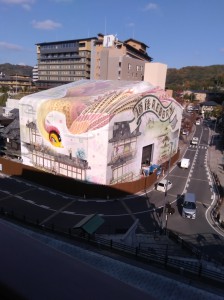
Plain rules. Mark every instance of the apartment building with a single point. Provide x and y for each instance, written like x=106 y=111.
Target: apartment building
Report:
x=16 y=82
x=63 y=62
x=116 y=60
x=103 y=57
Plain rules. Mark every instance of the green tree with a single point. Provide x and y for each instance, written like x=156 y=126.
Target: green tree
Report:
x=4 y=89
x=3 y=99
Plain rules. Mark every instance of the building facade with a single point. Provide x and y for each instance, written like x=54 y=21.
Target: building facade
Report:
x=35 y=73
x=16 y=83
x=63 y=62
x=155 y=73
x=99 y=131
x=116 y=60
x=101 y=58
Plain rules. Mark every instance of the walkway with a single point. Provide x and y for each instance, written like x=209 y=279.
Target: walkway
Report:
x=158 y=284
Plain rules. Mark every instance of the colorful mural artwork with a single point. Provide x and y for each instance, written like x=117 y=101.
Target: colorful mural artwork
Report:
x=99 y=131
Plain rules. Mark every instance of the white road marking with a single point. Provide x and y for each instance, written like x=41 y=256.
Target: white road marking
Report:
x=44 y=206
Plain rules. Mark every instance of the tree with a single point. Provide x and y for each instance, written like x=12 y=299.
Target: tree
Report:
x=3 y=99
x=4 y=89
x=217 y=111
x=218 y=81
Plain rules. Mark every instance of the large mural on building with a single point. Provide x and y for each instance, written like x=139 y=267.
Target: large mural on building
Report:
x=99 y=131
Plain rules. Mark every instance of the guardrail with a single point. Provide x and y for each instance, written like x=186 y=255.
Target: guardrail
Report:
x=194 y=267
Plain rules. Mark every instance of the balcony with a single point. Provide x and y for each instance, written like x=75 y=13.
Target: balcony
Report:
x=59 y=50
x=59 y=57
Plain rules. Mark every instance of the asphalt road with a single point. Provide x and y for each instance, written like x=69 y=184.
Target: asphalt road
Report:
x=49 y=208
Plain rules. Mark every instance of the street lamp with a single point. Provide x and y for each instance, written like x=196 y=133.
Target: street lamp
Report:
x=164 y=213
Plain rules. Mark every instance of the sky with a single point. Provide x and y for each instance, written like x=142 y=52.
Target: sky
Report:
x=178 y=33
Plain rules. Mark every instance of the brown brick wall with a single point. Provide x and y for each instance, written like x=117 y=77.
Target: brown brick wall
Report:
x=79 y=188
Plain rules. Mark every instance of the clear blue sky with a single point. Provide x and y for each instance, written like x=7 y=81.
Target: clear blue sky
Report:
x=179 y=33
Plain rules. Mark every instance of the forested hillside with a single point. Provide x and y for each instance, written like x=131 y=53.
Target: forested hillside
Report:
x=196 y=78
x=9 y=69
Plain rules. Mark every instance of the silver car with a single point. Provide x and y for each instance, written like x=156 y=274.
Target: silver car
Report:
x=189 y=206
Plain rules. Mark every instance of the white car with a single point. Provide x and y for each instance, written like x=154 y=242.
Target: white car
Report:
x=198 y=122
x=163 y=185
x=194 y=141
x=185 y=132
x=185 y=163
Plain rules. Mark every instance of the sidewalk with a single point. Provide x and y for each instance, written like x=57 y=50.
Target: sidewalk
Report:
x=216 y=164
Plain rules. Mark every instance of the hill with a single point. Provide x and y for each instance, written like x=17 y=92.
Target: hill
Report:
x=194 y=77
x=9 y=69
x=197 y=78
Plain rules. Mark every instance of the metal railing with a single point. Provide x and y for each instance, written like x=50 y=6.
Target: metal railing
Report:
x=195 y=266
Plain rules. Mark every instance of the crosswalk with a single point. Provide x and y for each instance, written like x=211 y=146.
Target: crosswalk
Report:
x=198 y=146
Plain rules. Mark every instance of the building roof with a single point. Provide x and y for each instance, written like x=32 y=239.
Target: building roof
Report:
x=94 y=102
x=133 y=40
x=90 y=223
x=66 y=41
x=12 y=131
x=5 y=121
x=209 y=103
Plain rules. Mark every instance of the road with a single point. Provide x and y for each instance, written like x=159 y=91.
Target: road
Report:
x=49 y=208
x=197 y=180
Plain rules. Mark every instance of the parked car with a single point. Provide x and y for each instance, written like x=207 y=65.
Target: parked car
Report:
x=163 y=185
x=194 y=140
x=185 y=132
x=198 y=122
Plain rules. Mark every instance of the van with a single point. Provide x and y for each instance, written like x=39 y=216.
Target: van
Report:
x=163 y=185
x=185 y=163
x=189 y=206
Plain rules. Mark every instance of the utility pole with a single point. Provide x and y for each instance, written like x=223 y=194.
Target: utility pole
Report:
x=16 y=83
x=164 y=213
